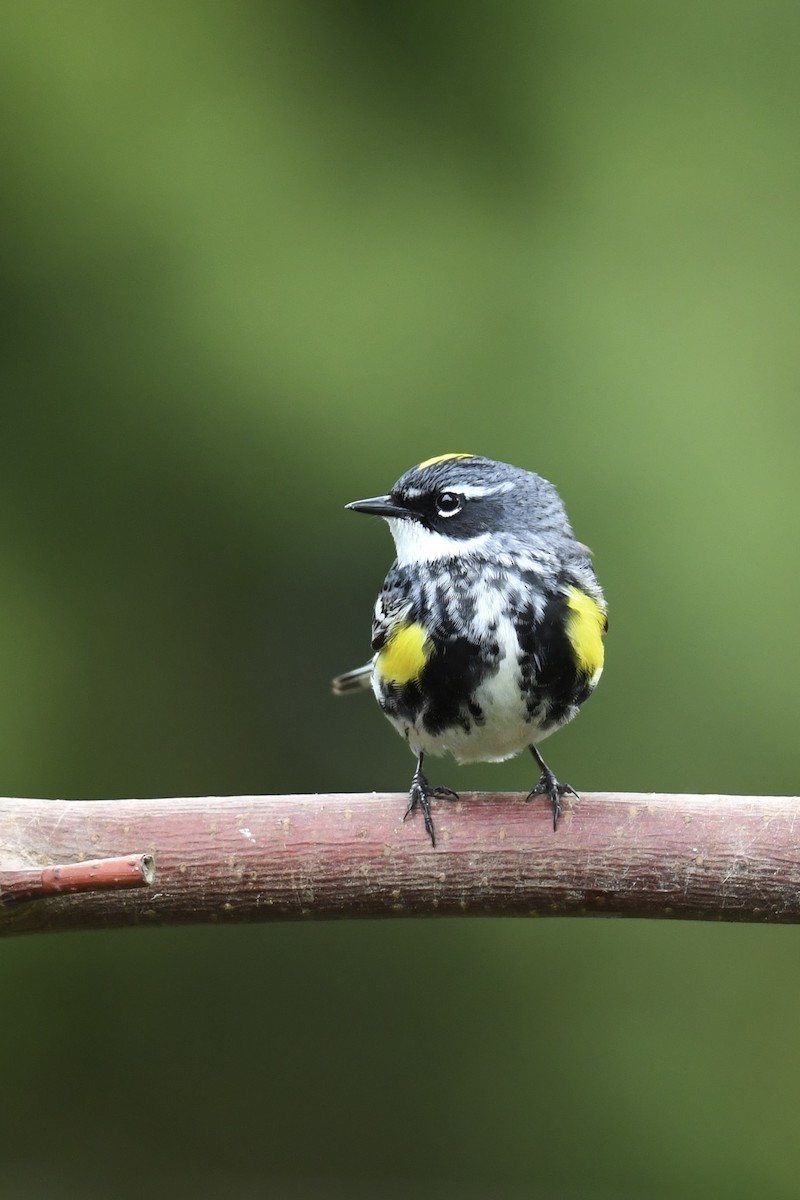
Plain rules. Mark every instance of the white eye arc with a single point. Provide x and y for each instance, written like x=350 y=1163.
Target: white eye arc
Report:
x=448 y=504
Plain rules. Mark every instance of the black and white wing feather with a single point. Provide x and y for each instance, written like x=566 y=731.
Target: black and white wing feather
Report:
x=394 y=605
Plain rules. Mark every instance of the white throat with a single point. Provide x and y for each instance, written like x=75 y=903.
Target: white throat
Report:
x=417 y=544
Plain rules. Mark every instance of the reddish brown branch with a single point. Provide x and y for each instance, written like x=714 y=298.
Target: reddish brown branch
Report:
x=249 y=858
x=94 y=875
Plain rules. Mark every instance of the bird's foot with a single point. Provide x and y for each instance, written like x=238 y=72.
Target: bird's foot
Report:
x=420 y=795
x=548 y=785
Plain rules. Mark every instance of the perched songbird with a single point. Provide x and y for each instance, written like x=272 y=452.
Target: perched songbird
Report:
x=488 y=632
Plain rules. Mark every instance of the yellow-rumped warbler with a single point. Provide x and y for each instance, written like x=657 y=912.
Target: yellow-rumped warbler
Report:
x=488 y=632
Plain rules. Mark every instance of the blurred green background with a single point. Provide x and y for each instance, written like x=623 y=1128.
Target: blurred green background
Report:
x=258 y=259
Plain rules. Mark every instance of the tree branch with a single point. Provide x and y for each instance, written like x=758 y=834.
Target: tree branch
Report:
x=270 y=858
x=93 y=875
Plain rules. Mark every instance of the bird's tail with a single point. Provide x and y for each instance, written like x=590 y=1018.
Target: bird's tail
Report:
x=353 y=681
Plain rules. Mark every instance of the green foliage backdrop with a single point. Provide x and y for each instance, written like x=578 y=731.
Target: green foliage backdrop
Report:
x=257 y=259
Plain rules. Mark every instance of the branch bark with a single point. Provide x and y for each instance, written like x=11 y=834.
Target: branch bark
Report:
x=272 y=858
x=91 y=875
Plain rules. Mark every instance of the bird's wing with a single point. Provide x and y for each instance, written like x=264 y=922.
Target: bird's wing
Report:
x=394 y=606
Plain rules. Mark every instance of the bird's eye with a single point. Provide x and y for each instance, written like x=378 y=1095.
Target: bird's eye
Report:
x=448 y=503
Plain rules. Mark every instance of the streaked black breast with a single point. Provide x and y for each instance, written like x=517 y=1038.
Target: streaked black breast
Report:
x=550 y=679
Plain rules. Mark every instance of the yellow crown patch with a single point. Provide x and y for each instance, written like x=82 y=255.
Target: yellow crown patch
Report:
x=430 y=462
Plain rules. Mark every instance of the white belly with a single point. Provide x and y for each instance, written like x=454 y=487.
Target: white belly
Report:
x=507 y=728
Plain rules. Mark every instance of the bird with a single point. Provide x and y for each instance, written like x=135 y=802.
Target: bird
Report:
x=487 y=634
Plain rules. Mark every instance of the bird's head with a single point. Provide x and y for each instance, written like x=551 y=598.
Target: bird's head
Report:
x=460 y=504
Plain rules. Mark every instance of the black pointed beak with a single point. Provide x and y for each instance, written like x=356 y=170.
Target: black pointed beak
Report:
x=379 y=506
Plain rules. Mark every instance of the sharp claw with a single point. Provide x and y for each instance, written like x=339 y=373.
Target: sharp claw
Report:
x=420 y=793
x=548 y=785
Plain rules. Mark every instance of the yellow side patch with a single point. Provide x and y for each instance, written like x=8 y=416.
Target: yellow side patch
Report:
x=586 y=625
x=431 y=462
x=403 y=657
